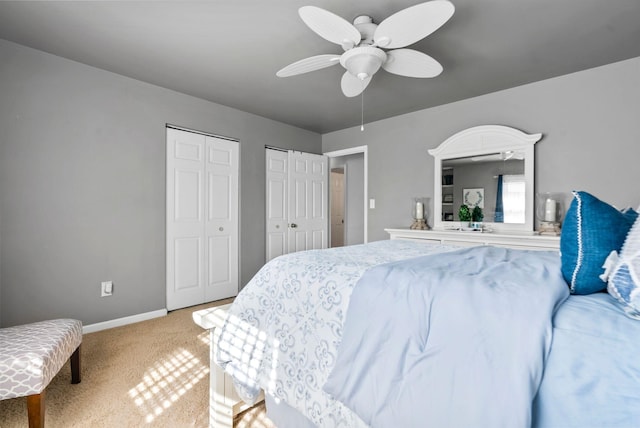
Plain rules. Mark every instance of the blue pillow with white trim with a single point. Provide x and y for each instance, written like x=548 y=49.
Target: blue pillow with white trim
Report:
x=624 y=280
x=592 y=229
x=630 y=213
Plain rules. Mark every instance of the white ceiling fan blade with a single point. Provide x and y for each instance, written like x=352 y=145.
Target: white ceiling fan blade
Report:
x=412 y=24
x=330 y=26
x=503 y=156
x=411 y=63
x=352 y=86
x=486 y=158
x=309 y=64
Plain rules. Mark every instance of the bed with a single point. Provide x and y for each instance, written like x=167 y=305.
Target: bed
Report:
x=284 y=336
x=449 y=330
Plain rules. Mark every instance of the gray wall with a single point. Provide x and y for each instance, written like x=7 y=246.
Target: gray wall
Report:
x=591 y=139
x=82 y=185
x=355 y=198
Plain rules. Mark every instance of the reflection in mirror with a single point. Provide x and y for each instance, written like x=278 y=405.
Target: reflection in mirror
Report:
x=495 y=182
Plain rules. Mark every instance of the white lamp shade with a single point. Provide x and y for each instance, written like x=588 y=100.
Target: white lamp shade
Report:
x=363 y=61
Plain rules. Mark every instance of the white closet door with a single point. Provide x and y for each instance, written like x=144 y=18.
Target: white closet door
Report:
x=221 y=224
x=185 y=222
x=276 y=203
x=202 y=265
x=308 y=197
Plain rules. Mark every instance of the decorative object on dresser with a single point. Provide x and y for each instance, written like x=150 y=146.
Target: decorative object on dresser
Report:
x=476 y=218
x=419 y=214
x=489 y=164
x=464 y=215
x=549 y=211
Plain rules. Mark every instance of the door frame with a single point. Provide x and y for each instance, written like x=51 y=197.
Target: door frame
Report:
x=351 y=151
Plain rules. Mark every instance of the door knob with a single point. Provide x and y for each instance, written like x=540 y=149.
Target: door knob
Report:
x=293 y=225
x=221 y=228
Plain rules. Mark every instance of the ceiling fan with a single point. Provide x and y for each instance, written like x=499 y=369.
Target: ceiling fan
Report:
x=369 y=46
x=502 y=156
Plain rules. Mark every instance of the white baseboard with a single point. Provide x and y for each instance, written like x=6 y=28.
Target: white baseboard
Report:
x=91 y=328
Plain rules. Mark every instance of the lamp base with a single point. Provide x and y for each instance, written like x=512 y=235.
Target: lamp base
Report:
x=420 y=224
x=549 y=228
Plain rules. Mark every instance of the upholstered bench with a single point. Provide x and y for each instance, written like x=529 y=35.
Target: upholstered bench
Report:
x=31 y=355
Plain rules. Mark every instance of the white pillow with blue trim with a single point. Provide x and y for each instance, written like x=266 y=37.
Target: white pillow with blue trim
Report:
x=624 y=280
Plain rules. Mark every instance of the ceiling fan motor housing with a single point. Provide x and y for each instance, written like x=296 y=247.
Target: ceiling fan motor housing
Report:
x=363 y=61
x=366 y=27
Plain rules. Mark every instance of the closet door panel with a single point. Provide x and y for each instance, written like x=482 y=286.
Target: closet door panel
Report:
x=221 y=225
x=219 y=260
x=185 y=219
x=188 y=271
x=277 y=166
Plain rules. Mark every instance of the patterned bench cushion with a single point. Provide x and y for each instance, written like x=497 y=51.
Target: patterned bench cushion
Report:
x=32 y=354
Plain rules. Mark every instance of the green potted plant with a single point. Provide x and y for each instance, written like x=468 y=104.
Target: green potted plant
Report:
x=464 y=214
x=476 y=217
x=476 y=214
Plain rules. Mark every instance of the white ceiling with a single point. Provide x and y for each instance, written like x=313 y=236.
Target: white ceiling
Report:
x=228 y=51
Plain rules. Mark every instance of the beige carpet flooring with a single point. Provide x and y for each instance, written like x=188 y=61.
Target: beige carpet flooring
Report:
x=150 y=374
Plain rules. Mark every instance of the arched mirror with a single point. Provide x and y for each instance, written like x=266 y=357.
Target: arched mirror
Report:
x=489 y=167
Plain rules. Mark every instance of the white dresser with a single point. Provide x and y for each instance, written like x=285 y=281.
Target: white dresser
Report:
x=461 y=238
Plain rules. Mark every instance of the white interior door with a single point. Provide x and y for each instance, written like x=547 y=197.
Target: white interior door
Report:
x=276 y=203
x=202 y=218
x=308 y=196
x=221 y=223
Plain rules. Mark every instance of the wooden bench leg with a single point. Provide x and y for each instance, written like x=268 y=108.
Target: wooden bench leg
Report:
x=75 y=365
x=35 y=409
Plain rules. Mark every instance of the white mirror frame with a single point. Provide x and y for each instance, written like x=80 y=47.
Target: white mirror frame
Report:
x=482 y=140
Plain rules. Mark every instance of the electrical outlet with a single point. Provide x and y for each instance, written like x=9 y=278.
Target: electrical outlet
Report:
x=107 y=289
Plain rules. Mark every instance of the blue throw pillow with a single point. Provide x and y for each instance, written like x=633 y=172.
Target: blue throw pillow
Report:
x=630 y=213
x=624 y=281
x=591 y=230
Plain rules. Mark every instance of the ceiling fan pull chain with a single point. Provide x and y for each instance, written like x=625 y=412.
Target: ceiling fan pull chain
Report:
x=362 y=108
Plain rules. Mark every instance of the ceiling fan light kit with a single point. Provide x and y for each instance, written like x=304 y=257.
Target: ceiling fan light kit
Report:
x=368 y=46
x=363 y=61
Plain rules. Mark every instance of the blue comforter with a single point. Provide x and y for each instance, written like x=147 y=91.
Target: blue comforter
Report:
x=453 y=340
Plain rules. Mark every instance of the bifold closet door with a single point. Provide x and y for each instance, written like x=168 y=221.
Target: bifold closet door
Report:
x=202 y=218
x=277 y=203
x=296 y=202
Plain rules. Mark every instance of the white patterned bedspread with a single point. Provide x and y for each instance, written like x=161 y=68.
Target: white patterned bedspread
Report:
x=284 y=327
